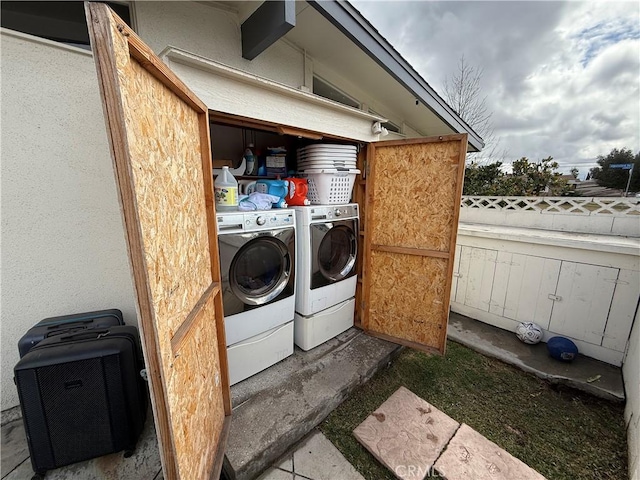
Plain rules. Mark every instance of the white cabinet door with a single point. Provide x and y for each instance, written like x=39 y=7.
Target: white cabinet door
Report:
x=456 y=273
x=507 y=284
x=476 y=271
x=623 y=308
x=522 y=287
x=583 y=301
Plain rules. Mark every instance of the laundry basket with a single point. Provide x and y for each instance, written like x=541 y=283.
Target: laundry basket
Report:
x=330 y=186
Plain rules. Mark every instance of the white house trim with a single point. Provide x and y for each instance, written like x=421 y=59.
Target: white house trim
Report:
x=221 y=87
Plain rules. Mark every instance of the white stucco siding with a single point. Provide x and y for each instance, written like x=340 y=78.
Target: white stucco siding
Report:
x=63 y=245
x=379 y=105
x=631 y=375
x=232 y=91
x=214 y=33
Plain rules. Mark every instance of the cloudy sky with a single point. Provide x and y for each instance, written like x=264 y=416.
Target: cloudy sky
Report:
x=561 y=78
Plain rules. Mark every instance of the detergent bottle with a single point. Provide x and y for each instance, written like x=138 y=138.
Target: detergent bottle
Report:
x=297 y=194
x=277 y=188
x=226 y=190
x=251 y=160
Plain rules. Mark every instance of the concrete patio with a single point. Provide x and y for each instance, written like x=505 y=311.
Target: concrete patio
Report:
x=277 y=409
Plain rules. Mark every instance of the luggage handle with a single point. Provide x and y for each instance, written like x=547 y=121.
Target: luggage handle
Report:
x=97 y=333
x=85 y=319
x=71 y=324
x=67 y=329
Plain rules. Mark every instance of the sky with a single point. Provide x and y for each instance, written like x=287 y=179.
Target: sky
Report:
x=561 y=79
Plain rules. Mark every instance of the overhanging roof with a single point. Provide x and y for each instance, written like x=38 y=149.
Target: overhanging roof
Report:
x=352 y=24
x=337 y=37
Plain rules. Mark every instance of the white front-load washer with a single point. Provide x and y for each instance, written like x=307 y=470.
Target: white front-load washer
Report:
x=326 y=279
x=257 y=263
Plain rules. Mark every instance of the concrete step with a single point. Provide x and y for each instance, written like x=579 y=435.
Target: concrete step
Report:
x=277 y=408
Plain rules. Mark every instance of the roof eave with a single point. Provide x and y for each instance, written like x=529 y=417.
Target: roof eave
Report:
x=351 y=23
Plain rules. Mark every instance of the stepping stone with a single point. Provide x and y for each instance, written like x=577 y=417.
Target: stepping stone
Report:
x=317 y=458
x=471 y=456
x=406 y=434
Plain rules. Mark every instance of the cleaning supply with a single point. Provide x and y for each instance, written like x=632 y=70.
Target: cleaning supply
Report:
x=250 y=158
x=246 y=187
x=297 y=194
x=276 y=161
x=279 y=188
x=226 y=190
x=262 y=166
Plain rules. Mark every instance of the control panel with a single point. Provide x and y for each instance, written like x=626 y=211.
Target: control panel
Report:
x=334 y=212
x=259 y=220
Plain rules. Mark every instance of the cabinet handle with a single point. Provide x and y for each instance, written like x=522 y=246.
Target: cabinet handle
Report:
x=555 y=298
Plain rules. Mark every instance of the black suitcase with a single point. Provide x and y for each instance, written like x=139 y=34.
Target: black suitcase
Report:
x=82 y=396
x=66 y=324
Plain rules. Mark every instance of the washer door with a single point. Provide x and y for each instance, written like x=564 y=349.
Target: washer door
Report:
x=260 y=270
x=336 y=252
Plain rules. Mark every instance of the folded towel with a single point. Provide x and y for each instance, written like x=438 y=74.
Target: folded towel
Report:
x=257 y=201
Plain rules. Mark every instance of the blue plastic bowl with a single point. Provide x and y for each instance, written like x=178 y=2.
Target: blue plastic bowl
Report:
x=562 y=349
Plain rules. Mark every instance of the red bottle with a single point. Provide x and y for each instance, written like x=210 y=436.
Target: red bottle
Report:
x=297 y=195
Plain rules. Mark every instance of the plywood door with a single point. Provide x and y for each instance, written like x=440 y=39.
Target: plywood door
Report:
x=412 y=207
x=159 y=137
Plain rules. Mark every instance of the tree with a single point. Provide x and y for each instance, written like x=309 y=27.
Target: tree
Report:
x=532 y=179
x=488 y=179
x=609 y=177
x=575 y=171
x=528 y=179
x=463 y=92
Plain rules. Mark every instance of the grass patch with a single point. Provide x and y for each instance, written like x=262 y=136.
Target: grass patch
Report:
x=560 y=432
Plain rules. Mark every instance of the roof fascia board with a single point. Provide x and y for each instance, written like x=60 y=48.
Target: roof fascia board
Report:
x=350 y=22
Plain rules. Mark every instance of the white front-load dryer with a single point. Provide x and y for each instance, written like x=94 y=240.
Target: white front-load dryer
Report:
x=257 y=263
x=326 y=278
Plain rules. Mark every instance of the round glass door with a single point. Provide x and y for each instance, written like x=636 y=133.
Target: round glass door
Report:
x=337 y=253
x=260 y=270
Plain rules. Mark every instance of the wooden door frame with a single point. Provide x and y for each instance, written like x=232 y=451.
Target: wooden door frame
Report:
x=98 y=19
x=369 y=247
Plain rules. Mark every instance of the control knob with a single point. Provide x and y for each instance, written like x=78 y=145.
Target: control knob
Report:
x=338 y=212
x=261 y=220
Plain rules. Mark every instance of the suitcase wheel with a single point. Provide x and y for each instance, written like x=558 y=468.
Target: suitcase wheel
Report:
x=39 y=475
x=128 y=453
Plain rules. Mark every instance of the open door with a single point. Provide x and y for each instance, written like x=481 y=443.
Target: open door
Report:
x=413 y=191
x=159 y=137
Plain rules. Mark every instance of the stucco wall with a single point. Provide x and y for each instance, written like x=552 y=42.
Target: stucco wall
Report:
x=63 y=247
x=631 y=375
x=214 y=33
x=377 y=104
